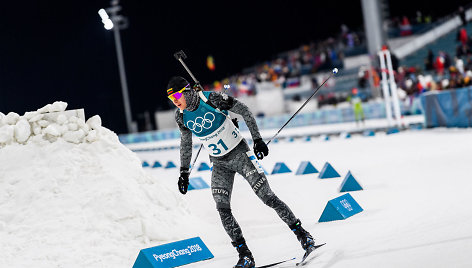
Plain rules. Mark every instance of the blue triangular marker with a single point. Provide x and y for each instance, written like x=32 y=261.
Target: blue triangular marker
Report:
x=392 y=131
x=280 y=167
x=340 y=208
x=328 y=172
x=203 y=166
x=350 y=184
x=306 y=168
x=369 y=133
x=345 y=135
x=330 y=213
x=324 y=137
x=156 y=165
x=145 y=164
x=170 y=164
x=197 y=183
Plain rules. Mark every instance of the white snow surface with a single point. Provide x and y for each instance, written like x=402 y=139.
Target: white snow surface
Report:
x=416 y=202
x=85 y=203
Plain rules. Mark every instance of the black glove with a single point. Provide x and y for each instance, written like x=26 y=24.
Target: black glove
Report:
x=260 y=148
x=183 y=181
x=224 y=102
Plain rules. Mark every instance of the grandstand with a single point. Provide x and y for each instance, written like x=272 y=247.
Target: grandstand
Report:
x=294 y=74
x=447 y=43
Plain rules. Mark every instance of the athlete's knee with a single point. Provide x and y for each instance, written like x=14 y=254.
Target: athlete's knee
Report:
x=271 y=200
x=224 y=210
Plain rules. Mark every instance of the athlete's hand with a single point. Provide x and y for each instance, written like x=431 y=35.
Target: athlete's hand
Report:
x=260 y=148
x=183 y=181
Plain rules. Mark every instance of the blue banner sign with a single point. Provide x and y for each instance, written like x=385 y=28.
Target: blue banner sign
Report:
x=173 y=254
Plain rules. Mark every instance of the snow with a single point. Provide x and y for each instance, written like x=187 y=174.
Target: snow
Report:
x=73 y=196
x=415 y=200
x=67 y=200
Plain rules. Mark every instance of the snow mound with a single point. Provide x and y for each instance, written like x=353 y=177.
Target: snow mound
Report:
x=71 y=195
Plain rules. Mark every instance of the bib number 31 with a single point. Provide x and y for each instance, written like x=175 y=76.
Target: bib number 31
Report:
x=214 y=147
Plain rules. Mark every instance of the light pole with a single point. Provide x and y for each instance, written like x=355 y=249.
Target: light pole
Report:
x=118 y=22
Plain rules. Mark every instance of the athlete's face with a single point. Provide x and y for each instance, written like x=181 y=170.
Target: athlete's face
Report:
x=181 y=103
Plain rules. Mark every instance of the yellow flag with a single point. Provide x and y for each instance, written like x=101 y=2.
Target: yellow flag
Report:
x=210 y=63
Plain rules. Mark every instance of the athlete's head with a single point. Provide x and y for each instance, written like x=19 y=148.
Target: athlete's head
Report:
x=181 y=94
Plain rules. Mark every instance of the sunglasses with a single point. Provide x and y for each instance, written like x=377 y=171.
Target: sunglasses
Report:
x=176 y=95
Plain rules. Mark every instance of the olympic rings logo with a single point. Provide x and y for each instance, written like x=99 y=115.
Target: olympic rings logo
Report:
x=201 y=123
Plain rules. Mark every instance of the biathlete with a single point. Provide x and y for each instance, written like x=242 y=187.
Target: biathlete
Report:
x=205 y=114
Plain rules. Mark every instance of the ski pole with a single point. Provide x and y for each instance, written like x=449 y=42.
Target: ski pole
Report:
x=195 y=159
x=180 y=55
x=335 y=71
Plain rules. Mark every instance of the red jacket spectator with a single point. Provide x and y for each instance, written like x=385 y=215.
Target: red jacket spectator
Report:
x=463 y=36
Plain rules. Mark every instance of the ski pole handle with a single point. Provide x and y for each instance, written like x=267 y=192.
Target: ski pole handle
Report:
x=180 y=55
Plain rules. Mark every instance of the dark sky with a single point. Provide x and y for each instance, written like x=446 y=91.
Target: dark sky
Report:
x=59 y=50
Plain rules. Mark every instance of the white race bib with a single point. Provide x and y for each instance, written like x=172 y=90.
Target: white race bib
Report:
x=222 y=140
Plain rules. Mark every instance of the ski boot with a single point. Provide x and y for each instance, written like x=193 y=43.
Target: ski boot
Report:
x=245 y=256
x=303 y=236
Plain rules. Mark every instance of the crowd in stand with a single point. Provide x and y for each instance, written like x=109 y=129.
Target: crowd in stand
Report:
x=287 y=68
x=441 y=71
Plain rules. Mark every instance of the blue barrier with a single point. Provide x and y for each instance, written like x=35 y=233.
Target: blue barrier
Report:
x=328 y=172
x=350 y=184
x=156 y=164
x=197 y=183
x=340 y=208
x=145 y=164
x=170 y=164
x=203 y=166
x=449 y=108
x=306 y=168
x=344 y=115
x=280 y=167
x=173 y=254
x=416 y=126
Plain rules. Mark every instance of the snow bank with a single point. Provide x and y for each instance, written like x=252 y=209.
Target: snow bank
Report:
x=71 y=195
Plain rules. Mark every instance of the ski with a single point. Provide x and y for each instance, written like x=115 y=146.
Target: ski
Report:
x=308 y=252
x=275 y=263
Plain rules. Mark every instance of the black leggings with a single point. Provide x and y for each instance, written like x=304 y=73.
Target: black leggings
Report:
x=222 y=179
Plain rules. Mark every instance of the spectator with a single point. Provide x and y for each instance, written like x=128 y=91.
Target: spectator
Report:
x=461 y=13
x=439 y=64
x=428 y=62
x=405 y=27
x=357 y=106
x=459 y=65
x=462 y=50
x=462 y=36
